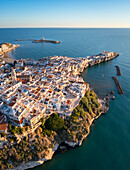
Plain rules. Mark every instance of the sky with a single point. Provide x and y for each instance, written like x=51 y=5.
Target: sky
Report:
x=65 y=13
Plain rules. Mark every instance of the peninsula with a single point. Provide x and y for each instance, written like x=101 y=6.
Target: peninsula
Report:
x=43 y=104
x=4 y=49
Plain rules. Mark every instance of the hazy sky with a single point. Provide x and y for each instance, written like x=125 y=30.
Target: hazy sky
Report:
x=64 y=13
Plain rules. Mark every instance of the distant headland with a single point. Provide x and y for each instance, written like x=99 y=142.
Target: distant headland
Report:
x=4 y=49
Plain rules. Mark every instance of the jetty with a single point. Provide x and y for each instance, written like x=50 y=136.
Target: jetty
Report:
x=39 y=41
x=43 y=40
x=119 y=88
x=25 y=40
x=118 y=70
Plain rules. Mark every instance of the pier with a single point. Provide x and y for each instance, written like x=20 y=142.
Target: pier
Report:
x=44 y=40
x=39 y=41
x=118 y=70
x=119 y=88
x=49 y=41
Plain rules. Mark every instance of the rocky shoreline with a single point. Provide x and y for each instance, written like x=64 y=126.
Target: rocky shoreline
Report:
x=10 y=48
x=32 y=164
x=4 y=55
x=40 y=146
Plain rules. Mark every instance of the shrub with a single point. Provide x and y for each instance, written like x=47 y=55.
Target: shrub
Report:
x=84 y=101
x=74 y=117
x=54 y=122
x=47 y=132
x=3 y=134
x=43 y=122
x=81 y=110
x=15 y=130
x=10 y=127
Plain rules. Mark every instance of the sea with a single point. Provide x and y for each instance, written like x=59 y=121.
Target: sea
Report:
x=108 y=145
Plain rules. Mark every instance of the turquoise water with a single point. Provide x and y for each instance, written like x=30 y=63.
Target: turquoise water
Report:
x=108 y=145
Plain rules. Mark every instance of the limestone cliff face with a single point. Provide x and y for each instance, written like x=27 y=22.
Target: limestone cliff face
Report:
x=78 y=126
x=43 y=143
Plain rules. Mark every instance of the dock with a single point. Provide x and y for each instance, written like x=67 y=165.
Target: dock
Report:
x=118 y=70
x=119 y=88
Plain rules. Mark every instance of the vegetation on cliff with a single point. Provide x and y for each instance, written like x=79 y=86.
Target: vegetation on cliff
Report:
x=54 y=123
x=80 y=120
x=36 y=145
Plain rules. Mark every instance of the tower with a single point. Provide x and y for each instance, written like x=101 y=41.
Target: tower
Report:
x=13 y=74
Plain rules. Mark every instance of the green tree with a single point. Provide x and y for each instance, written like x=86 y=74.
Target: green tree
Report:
x=54 y=122
x=9 y=127
x=3 y=134
x=43 y=122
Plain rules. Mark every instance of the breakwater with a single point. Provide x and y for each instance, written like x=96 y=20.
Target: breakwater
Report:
x=24 y=40
x=118 y=70
x=39 y=41
x=49 y=41
x=119 y=88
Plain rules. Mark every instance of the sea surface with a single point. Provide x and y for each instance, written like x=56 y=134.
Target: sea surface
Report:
x=108 y=145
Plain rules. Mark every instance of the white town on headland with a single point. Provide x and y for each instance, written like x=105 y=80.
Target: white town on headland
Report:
x=32 y=89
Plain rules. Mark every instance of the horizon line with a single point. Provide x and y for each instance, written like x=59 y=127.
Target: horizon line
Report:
x=58 y=27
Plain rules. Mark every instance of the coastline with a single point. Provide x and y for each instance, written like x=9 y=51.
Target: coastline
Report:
x=51 y=151
x=9 y=49
x=32 y=164
x=4 y=56
x=103 y=145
